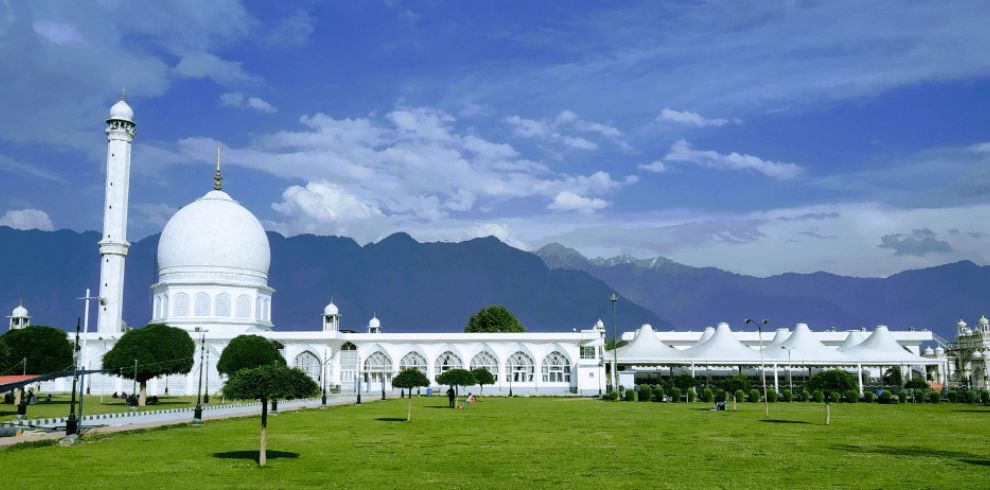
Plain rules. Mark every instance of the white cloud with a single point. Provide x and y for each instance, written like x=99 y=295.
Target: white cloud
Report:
x=237 y=99
x=691 y=118
x=569 y=201
x=656 y=166
x=27 y=219
x=58 y=32
x=211 y=66
x=682 y=151
x=156 y=214
x=497 y=230
x=561 y=130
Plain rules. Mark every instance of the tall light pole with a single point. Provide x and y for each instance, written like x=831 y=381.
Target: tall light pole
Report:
x=198 y=412
x=134 y=387
x=790 y=384
x=358 y=379
x=206 y=393
x=82 y=376
x=763 y=377
x=615 y=345
x=72 y=425
x=512 y=374
x=323 y=378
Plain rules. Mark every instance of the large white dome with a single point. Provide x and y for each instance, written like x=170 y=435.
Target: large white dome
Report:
x=214 y=234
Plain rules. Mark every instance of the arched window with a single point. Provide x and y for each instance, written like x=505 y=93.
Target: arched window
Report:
x=520 y=368
x=485 y=359
x=221 y=305
x=378 y=362
x=158 y=307
x=447 y=361
x=182 y=304
x=202 y=306
x=308 y=363
x=556 y=368
x=242 y=309
x=413 y=360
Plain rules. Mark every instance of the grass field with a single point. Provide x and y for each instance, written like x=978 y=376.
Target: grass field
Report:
x=59 y=407
x=538 y=443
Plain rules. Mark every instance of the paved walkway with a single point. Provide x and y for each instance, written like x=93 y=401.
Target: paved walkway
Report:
x=38 y=430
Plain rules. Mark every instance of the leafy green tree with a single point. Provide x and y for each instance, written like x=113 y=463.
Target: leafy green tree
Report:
x=158 y=349
x=6 y=359
x=268 y=382
x=248 y=351
x=456 y=377
x=410 y=378
x=483 y=377
x=831 y=381
x=46 y=350
x=685 y=382
x=734 y=384
x=493 y=319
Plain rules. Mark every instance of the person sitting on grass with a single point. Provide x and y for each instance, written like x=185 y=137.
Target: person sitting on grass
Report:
x=471 y=400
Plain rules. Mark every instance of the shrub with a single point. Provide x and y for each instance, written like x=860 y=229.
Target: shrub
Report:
x=953 y=396
x=708 y=396
x=886 y=397
x=818 y=396
x=805 y=395
x=740 y=396
x=771 y=395
x=869 y=397
x=835 y=396
x=935 y=397
x=645 y=393
x=675 y=394
x=852 y=396
x=787 y=396
x=754 y=395
x=613 y=395
x=630 y=395
x=969 y=396
x=984 y=396
x=692 y=394
x=659 y=394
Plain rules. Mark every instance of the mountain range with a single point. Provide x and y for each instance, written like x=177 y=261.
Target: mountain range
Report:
x=411 y=286
x=693 y=297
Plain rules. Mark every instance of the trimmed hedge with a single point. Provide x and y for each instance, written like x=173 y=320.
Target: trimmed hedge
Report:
x=788 y=396
x=852 y=396
x=953 y=396
x=692 y=394
x=935 y=397
x=818 y=396
x=721 y=395
x=708 y=396
x=740 y=396
x=869 y=397
x=805 y=396
x=984 y=396
x=659 y=394
x=754 y=395
x=675 y=394
x=969 y=396
x=771 y=395
x=645 y=393
x=630 y=395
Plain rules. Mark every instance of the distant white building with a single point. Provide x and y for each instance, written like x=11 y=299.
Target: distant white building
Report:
x=19 y=317
x=968 y=356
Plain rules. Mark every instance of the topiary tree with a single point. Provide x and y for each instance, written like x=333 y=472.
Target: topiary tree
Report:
x=272 y=381
x=410 y=378
x=248 y=351
x=456 y=377
x=43 y=349
x=754 y=395
x=493 y=319
x=483 y=377
x=984 y=396
x=156 y=349
x=852 y=396
x=659 y=394
x=771 y=395
x=630 y=395
x=735 y=384
x=787 y=396
x=685 y=382
x=830 y=381
x=645 y=393
x=708 y=395
x=675 y=394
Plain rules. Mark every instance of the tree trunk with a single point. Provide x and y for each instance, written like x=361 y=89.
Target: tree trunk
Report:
x=18 y=395
x=144 y=394
x=828 y=414
x=733 y=402
x=263 y=451
x=409 y=410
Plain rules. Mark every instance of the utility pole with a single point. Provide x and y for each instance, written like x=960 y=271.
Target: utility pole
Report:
x=72 y=425
x=763 y=377
x=198 y=411
x=206 y=366
x=615 y=344
x=134 y=387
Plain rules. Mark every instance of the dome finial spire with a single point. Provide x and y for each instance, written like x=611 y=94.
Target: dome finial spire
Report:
x=123 y=92
x=217 y=179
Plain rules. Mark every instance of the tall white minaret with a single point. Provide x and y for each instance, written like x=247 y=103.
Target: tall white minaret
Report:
x=113 y=245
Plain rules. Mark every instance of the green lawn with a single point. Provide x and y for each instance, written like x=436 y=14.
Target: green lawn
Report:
x=543 y=442
x=59 y=407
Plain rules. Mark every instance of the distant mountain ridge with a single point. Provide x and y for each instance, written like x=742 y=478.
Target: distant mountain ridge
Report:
x=411 y=286
x=693 y=297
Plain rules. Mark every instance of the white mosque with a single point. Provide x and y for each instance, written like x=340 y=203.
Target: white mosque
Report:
x=213 y=264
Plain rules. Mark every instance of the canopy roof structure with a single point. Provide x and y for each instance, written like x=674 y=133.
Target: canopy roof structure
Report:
x=719 y=346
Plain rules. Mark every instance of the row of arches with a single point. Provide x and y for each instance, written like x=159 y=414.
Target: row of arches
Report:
x=221 y=305
x=520 y=366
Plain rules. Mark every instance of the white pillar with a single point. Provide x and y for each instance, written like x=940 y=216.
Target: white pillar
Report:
x=859 y=376
x=776 y=387
x=113 y=243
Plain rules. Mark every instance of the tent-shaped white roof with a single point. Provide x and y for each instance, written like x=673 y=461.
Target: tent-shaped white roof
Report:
x=723 y=347
x=804 y=347
x=779 y=337
x=645 y=347
x=854 y=338
x=880 y=346
x=705 y=336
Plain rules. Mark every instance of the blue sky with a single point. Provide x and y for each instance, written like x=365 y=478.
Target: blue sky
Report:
x=760 y=138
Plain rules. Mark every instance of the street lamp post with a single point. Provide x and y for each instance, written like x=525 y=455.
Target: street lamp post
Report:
x=134 y=387
x=615 y=345
x=790 y=383
x=512 y=374
x=206 y=393
x=763 y=376
x=323 y=379
x=83 y=362
x=198 y=411
x=358 y=379
x=72 y=425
